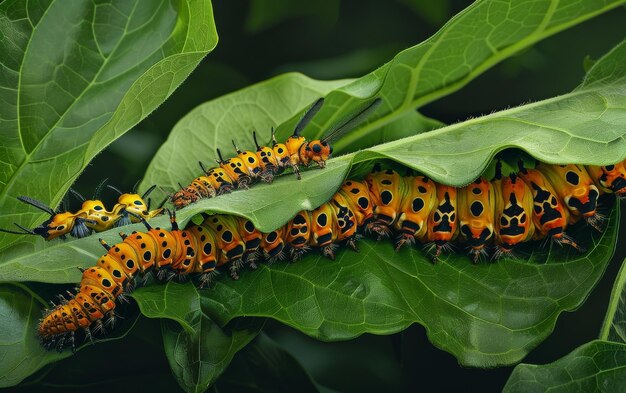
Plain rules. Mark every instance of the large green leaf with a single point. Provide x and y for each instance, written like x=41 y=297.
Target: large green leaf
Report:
x=465 y=47
x=598 y=366
x=77 y=75
x=197 y=349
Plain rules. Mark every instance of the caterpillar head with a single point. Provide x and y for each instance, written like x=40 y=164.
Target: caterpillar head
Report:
x=318 y=151
x=58 y=225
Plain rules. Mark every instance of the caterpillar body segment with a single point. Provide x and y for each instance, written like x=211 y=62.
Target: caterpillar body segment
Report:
x=485 y=217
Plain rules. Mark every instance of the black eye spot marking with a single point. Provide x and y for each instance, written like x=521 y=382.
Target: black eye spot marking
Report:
x=138 y=236
x=117 y=273
x=190 y=252
x=130 y=264
x=248 y=226
x=167 y=253
x=503 y=221
x=147 y=255
x=418 y=204
x=227 y=236
x=105 y=219
x=363 y=203
x=317 y=148
x=294 y=231
x=238 y=164
x=232 y=165
x=207 y=248
x=251 y=160
x=184 y=234
x=97 y=208
x=348 y=183
x=609 y=167
x=437 y=216
x=537 y=209
x=164 y=244
x=354 y=191
x=476 y=191
x=572 y=178
x=117 y=249
x=106 y=283
x=280 y=150
x=187 y=242
x=161 y=234
x=386 y=182
x=143 y=245
x=523 y=218
x=271 y=237
x=477 y=208
x=219 y=227
x=386 y=197
x=202 y=238
x=304 y=229
x=123 y=257
x=138 y=203
x=299 y=219
x=421 y=189
x=322 y=220
x=453 y=217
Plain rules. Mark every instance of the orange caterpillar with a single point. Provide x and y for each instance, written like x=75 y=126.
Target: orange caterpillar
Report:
x=267 y=162
x=92 y=216
x=531 y=205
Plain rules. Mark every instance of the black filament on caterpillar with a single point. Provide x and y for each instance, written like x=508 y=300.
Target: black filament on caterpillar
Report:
x=533 y=204
x=267 y=162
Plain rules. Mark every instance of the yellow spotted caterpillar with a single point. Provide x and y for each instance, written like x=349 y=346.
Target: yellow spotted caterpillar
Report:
x=267 y=162
x=92 y=216
x=532 y=204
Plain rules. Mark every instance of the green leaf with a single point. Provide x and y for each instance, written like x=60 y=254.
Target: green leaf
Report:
x=598 y=366
x=197 y=349
x=473 y=41
x=265 y=366
x=20 y=350
x=76 y=76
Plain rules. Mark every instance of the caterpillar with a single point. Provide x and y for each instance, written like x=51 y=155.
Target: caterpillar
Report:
x=531 y=204
x=267 y=162
x=92 y=216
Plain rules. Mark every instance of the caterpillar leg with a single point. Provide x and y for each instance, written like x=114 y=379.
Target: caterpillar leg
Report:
x=329 y=251
x=351 y=242
x=296 y=171
x=477 y=254
x=207 y=279
x=244 y=182
x=596 y=221
x=234 y=268
x=568 y=240
x=267 y=175
x=404 y=239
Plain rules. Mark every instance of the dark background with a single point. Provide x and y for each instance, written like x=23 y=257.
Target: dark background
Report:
x=332 y=39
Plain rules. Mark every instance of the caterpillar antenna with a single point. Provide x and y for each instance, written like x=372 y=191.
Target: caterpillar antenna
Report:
x=235 y=146
x=37 y=204
x=256 y=143
x=136 y=185
x=115 y=189
x=353 y=121
x=77 y=195
x=167 y=196
x=274 y=141
x=26 y=230
x=148 y=191
x=308 y=116
x=219 y=154
x=203 y=168
x=23 y=231
x=143 y=220
x=100 y=188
